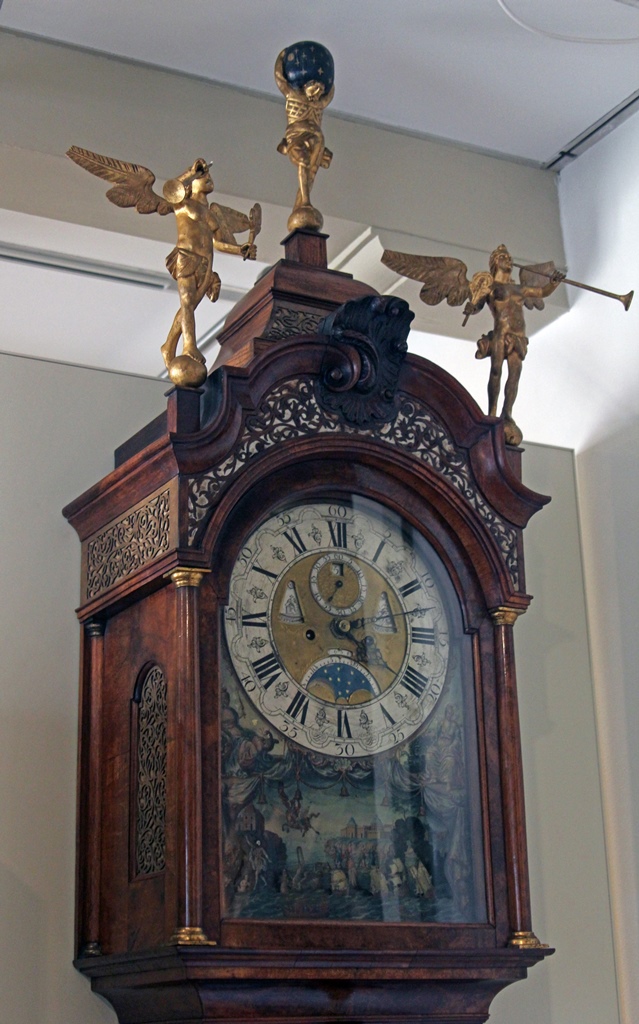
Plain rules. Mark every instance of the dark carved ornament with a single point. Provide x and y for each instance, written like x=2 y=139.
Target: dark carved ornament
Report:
x=150 y=802
x=365 y=351
x=292 y=410
x=129 y=543
x=288 y=322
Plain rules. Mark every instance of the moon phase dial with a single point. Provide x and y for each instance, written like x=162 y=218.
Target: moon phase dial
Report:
x=336 y=627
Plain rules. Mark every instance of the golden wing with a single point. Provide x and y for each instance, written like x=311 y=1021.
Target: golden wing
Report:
x=443 y=276
x=132 y=183
x=230 y=222
x=536 y=276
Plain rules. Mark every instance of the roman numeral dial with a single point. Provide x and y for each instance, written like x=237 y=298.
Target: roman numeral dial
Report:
x=336 y=628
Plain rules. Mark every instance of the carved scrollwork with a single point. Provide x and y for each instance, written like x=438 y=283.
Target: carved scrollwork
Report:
x=287 y=321
x=417 y=430
x=129 y=543
x=150 y=832
x=366 y=349
x=292 y=410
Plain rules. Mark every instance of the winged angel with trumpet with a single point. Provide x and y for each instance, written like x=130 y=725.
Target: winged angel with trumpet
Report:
x=201 y=228
x=444 y=277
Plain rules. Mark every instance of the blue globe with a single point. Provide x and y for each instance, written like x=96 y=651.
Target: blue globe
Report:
x=308 y=62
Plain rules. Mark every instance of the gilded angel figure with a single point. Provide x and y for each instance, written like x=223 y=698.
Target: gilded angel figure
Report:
x=444 y=277
x=202 y=228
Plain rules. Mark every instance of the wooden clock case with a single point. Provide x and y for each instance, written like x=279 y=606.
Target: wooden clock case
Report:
x=159 y=537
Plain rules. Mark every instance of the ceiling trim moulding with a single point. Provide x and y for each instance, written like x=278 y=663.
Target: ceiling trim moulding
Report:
x=595 y=133
x=87 y=267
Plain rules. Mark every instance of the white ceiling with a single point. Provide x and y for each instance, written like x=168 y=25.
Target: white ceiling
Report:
x=461 y=70
x=458 y=70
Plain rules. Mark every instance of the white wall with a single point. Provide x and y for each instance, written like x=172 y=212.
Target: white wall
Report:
x=599 y=198
x=59 y=426
x=569 y=889
x=609 y=499
x=585 y=366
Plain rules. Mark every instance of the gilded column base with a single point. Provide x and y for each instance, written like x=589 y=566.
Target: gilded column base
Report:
x=190 y=937
x=91 y=949
x=526 y=940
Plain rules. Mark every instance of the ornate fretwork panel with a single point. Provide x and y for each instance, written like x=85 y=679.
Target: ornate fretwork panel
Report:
x=150 y=780
x=292 y=411
x=127 y=544
x=288 y=322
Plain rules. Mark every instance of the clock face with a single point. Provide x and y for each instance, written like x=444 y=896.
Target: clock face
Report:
x=336 y=627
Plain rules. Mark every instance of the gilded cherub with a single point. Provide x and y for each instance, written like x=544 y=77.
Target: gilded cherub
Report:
x=304 y=75
x=444 y=277
x=201 y=229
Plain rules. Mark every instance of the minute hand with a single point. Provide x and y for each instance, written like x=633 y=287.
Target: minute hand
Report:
x=358 y=623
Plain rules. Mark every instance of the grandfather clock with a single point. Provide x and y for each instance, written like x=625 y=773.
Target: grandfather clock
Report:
x=300 y=791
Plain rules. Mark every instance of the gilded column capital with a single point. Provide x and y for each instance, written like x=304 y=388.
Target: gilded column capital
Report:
x=504 y=616
x=94 y=627
x=183 y=577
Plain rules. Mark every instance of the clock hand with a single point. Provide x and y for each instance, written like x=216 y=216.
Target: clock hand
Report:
x=338 y=583
x=359 y=623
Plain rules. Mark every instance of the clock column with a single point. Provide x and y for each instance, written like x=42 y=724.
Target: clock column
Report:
x=89 y=927
x=522 y=934
x=188 y=759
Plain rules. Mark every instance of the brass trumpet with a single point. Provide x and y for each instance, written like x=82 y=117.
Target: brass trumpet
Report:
x=625 y=300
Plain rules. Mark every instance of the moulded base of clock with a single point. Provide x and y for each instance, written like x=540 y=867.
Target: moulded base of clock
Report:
x=189 y=984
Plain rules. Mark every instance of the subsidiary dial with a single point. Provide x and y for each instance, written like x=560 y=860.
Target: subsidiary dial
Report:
x=338 y=584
